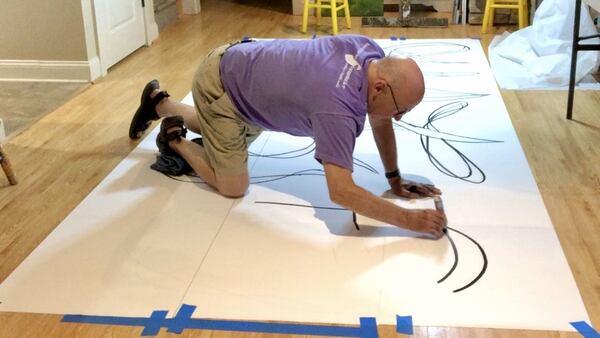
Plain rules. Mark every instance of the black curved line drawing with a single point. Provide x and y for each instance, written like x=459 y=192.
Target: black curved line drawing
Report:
x=440 y=48
x=365 y=165
x=194 y=178
x=454 y=248
x=439 y=113
x=307 y=150
x=449 y=73
x=483 y=255
x=443 y=48
x=272 y=178
x=437 y=95
x=288 y=154
x=455 y=255
x=474 y=174
x=427 y=132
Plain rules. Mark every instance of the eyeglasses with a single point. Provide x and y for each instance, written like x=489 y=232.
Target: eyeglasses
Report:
x=399 y=113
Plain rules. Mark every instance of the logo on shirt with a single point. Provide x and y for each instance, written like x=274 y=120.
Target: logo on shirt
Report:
x=350 y=65
x=352 y=61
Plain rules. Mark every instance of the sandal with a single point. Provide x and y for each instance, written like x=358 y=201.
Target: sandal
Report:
x=164 y=137
x=146 y=112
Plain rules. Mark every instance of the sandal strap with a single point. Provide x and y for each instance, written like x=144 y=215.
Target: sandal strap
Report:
x=176 y=134
x=161 y=95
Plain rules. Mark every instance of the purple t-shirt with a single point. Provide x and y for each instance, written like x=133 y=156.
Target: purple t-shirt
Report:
x=315 y=88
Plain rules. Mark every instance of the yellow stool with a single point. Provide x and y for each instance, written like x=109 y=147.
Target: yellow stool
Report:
x=334 y=5
x=491 y=5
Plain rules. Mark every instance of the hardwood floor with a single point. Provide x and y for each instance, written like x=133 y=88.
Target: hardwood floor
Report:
x=64 y=155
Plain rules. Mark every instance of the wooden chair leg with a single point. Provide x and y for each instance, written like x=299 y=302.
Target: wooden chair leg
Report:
x=7 y=167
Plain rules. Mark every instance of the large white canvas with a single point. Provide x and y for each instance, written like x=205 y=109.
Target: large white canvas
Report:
x=142 y=241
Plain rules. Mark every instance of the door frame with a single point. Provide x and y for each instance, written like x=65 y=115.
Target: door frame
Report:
x=98 y=69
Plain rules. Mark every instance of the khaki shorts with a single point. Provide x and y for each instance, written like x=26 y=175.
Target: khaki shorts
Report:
x=226 y=136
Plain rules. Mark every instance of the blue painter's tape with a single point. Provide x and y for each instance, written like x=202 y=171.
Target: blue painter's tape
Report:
x=182 y=320
x=123 y=321
x=281 y=328
x=585 y=329
x=183 y=316
x=404 y=325
x=154 y=323
x=368 y=327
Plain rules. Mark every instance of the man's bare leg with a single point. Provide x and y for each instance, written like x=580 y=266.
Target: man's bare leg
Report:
x=228 y=185
x=167 y=107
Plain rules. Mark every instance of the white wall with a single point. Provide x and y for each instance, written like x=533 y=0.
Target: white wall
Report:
x=47 y=40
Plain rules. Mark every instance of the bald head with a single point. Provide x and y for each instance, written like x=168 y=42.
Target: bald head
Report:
x=396 y=86
x=405 y=77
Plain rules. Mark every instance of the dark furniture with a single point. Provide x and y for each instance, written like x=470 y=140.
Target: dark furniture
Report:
x=576 y=48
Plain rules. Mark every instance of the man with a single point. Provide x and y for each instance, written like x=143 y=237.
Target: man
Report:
x=322 y=88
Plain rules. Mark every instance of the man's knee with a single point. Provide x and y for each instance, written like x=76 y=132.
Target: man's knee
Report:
x=233 y=186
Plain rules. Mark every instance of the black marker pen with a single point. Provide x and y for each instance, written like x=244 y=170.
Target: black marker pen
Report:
x=439 y=206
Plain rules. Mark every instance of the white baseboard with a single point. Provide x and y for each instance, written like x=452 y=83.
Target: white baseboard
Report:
x=58 y=71
x=151 y=33
x=95 y=68
x=191 y=6
x=151 y=26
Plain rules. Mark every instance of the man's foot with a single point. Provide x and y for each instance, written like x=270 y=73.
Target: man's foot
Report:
x=146 y=112
x=171 y=130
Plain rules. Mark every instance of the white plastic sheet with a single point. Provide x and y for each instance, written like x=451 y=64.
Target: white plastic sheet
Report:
x=539 y=56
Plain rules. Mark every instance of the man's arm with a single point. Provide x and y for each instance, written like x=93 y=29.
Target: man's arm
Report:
x=343 y=191
x=383 y=133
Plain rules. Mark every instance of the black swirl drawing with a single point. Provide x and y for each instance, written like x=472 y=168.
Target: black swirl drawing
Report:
x=455 y=264
x=438 y=95
x=308 y=150
x=450 y=240
x=432 y=51
x=427 y=132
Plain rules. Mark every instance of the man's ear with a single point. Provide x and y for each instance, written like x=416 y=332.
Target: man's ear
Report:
x=379 y=85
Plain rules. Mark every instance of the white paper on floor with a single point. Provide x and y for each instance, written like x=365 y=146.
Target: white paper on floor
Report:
x=142 y=241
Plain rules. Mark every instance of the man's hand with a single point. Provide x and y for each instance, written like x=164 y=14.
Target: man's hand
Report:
x=411 y=189
x=429 y=221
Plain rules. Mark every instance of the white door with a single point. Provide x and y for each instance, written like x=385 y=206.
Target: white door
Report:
x=121 y=29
